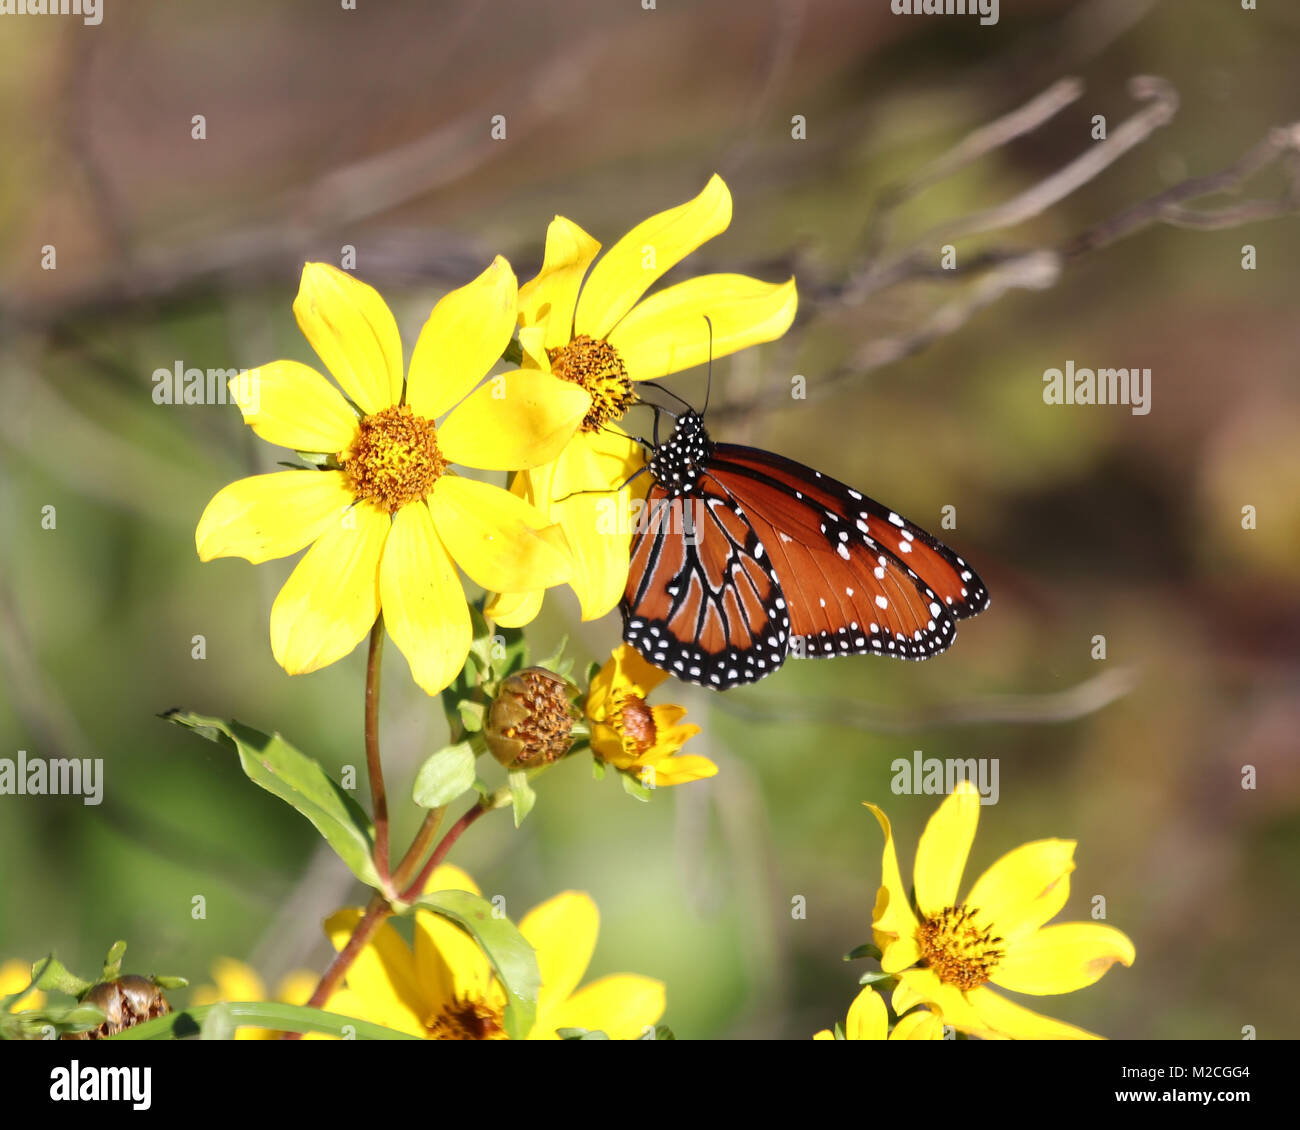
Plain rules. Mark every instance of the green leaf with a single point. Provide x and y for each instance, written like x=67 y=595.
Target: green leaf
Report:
x=51 y=976
x=219 y=1024
x=521 y=795
x=875 y=978
x=598 y=768
x=298 y=780
x=506 y=948
x=838 y=1031
x=261 y=1014
x=445 y=776
x=49 y=1022
x=657 y=1032
x=864 y=950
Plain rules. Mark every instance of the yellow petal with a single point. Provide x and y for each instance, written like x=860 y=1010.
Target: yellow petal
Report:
x=549 y=299
x=16 y=975
x=297 y=986
x=893 y=922
x=634 y=672
x=622 y=1005
x=1025 y=888
x=919 y=1025
x=423 y=601
x=236 y=981
x=353 y=332
x=924 y=985
x=463 y=338
x=516 y=420
x=514 y=609
x=268 y=516
x=598 y=525
x=629 y=268
x=331 y=599
x=824 y=1034
x=382 y=976
x=290 y=404
x=447 y=960
x=1015 y=1022
x=667 y=332
x=499 y=540
x=682 y=769
x=868 y=1018
x=945 y=844
x=563 y=933
x=1063 y=958
x=348 y=1002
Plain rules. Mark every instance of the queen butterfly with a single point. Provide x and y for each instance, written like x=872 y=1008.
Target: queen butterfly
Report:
x=742 y=558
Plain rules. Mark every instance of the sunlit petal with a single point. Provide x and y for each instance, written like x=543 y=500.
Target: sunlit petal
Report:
x=1062 y=958
x=549 y=299
x=945 y=844
x=267 y=516
x=516 y=420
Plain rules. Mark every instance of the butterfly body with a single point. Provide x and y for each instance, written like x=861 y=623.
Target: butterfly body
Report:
x=744 y=558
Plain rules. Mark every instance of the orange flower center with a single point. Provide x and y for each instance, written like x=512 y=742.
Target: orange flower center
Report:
x=597 y=367
x=394 y=459
x=636 y=723
x=960 y=952
x=466 y=1020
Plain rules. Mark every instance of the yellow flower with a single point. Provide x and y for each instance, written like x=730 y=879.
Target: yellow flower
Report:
x=389 y=523
x=602 y=337
x=445 y=989
x=948 y=955
x=634 y=737
x=869 y=1020
x=16 y=975
x=235 y=981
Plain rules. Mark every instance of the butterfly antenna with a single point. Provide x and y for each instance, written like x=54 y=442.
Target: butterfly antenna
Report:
x=708 y=384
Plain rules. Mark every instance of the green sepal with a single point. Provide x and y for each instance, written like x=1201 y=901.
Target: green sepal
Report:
x=634 y=788
x=51 y=975
x=876 y=978
x=113 y=962
x=867 y=949
x=522 y=797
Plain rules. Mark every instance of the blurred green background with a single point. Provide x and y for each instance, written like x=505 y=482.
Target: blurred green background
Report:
x=328 y=127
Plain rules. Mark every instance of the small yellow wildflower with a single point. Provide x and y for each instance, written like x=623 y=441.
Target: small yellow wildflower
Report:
x=389 y=525
x=949 y=954
x=444 y=989
x=868 y=1019
x=636 y=737
x=603 y=336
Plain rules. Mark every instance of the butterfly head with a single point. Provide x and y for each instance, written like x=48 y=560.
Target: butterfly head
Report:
x=679 y=460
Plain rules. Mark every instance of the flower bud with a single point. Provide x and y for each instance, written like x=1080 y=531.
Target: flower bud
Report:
x=125 y=1002
x=530 y=722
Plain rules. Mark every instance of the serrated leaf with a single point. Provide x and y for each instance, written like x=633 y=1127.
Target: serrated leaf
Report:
x=508 y=951
x=445 y=776
x=522 y=796
x=299 y=781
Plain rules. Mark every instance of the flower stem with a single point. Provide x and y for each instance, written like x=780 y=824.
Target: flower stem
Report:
x=415 y=853
x=376 y=911
x=373 y=766
x=440 y=852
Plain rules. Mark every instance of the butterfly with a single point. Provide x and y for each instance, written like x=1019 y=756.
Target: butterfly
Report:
x=742 y=558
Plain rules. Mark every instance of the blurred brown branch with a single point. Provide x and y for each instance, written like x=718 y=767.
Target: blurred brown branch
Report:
x=1078 y=701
